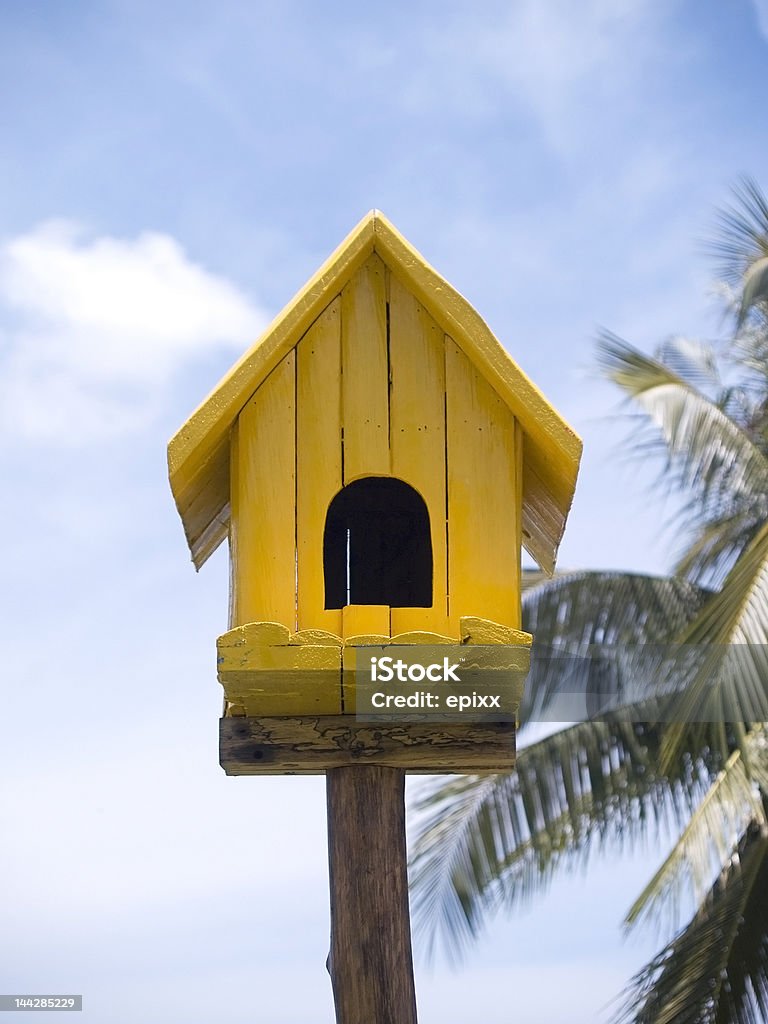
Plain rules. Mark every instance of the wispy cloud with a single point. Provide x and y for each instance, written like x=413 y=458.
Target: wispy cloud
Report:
x=93 y=329
x=761 y=10
x=562 y=64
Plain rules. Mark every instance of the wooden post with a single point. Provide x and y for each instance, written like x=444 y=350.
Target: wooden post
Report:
x=370 y=962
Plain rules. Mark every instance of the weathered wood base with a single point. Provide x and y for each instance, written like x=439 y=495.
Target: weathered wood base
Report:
x=370 y=962
x=305 y=745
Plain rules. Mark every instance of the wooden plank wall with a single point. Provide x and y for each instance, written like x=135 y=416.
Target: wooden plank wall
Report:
x=365 y=401
x=417 y=431
x=483 y=552
x=375 y=388
x=318 y=460
x=364 y=383
x=263 y=527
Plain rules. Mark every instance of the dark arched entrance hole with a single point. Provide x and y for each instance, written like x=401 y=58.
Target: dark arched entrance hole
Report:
x=377 y=547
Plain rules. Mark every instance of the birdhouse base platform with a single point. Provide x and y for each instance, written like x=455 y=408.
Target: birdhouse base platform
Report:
x=292 y=701
x=310 y=745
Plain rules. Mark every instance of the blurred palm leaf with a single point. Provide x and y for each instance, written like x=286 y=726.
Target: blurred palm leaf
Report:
x=484 y=842
x=714 y=971
x=705 y=845
x=755 y=288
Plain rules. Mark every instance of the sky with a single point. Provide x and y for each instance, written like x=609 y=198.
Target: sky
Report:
x=170 y=175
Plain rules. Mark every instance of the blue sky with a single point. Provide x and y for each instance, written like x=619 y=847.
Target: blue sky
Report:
x=170 y=174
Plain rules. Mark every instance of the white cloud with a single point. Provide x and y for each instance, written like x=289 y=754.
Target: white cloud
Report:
x=564 y=64
x=761 y=10
x=94 y=329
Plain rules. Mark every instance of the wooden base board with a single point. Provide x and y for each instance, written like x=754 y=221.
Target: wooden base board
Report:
x=307 y=745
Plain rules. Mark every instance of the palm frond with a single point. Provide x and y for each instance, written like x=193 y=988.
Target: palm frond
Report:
x=712 y=552
x=754 y=289
x=694 y=361
x=482 y=842
x=742 y=235
x=705 y=845
x=709 y=454
x=721 y=664
x=598 y=640
x=716 y=970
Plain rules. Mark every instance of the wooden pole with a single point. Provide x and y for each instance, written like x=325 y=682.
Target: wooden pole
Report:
x=370 y=962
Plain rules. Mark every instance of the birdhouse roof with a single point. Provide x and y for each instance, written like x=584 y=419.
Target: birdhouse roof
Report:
x=198 y=455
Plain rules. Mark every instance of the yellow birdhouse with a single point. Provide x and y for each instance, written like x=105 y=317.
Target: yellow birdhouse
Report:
x=377 y=462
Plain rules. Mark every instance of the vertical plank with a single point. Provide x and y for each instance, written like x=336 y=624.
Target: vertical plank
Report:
x=264 y=519
x=234 y=524
x=365 y=383
x=318 y=460
x=483 y=568
x=365 y=620
x=365 y=372
x=519 y=442
x=417 y=433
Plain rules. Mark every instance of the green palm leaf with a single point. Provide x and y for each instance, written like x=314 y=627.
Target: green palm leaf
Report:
x=598 y=637
x=706 y=844
x=715 y=971
x=743 y=232
x=482 y=842
x=717 y=544
x=722 y=666
x=755 y=288
x=708 y=453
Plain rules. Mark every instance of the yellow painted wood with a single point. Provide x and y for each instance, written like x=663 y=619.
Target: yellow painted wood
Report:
x=318 y=460
x=509 y=663
x=367 y=640
x=255 y=634
x=504 y=663
x=365 y=387
x=316 y=637
x=301 y=693
x=474 y=630
x=519 y=511
x=483 y=566
x=417 y=431
x=232 y=530
x=357 y=650
x=422 y=637
x=278 y=679
x=199 y=452
x=358 y=619
x=264 y=520
x=255 y=662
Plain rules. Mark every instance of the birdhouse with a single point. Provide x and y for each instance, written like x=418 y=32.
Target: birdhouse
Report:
x=377 y=462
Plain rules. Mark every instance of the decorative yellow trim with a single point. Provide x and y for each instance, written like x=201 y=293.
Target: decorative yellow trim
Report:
x=475 y=630
x=266 y=670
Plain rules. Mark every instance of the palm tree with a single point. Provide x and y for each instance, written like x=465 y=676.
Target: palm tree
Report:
x=676 y=670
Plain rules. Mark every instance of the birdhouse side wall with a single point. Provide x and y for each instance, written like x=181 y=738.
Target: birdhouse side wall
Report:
x=375 y=388
x=484 y=461
x=263 y=512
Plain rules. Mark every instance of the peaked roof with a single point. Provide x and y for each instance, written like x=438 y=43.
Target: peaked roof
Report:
x=198 y=454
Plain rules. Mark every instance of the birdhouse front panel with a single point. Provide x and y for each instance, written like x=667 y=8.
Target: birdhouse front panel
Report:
x=375 y=477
